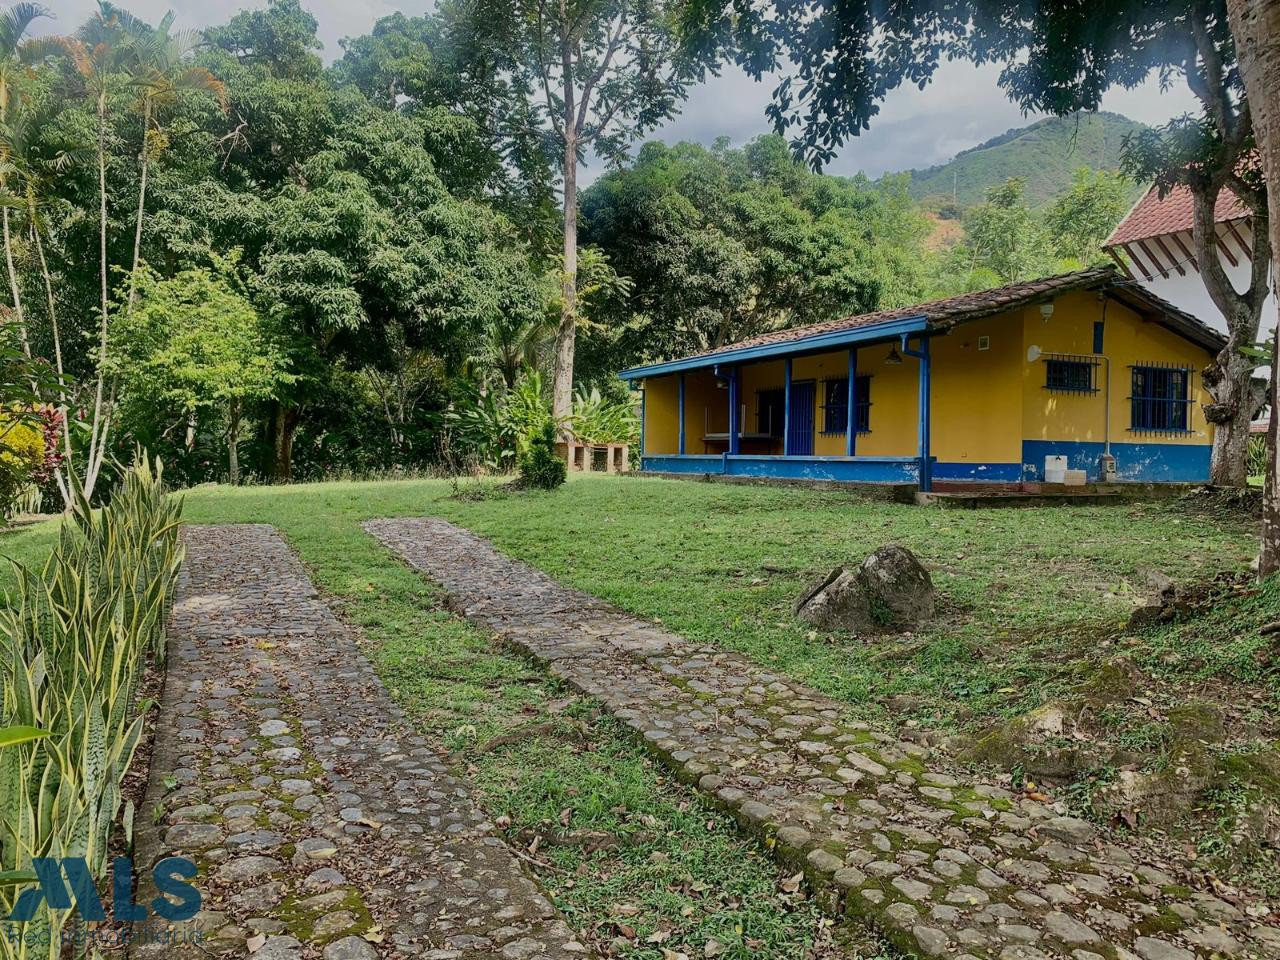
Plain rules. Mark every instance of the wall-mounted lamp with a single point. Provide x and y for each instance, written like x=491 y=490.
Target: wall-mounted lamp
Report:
x=1046 y=311
x=894 y=358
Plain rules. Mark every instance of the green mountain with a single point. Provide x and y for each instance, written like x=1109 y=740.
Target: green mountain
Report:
x=1045 y=153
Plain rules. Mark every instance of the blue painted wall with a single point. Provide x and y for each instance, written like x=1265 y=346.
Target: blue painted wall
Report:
x=857 y=470
x=1135 y=462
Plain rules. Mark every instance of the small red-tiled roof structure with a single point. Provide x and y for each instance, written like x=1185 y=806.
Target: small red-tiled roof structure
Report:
x=1156 y=233
x=938 y=316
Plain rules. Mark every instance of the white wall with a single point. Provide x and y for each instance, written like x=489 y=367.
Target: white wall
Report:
x=1188 y=292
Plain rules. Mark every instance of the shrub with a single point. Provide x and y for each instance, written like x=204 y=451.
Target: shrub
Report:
x=21 y=459
x=540 y=465
x=604 y=419
x=75 y=638
x=1257 y=456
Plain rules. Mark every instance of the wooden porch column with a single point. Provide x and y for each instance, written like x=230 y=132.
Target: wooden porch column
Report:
x=786 y=407
x=851 y=419
x=681 y=413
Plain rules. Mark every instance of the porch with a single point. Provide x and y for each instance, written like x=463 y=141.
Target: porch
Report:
x=797 y=410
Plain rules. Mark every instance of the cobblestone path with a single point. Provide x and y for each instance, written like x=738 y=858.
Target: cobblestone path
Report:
x=318 y=820
x=888 y=833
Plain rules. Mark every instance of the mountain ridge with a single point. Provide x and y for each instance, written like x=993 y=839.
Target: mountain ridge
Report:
x=1045 y=153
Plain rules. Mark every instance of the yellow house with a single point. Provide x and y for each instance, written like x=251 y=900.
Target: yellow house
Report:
x=989 y=387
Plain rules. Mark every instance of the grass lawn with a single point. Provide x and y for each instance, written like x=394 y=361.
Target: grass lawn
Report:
x=1032 y=601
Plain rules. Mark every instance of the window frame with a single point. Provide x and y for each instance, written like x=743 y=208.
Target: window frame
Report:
x=1162 y=402
x=1077 y=374
x=835 y=415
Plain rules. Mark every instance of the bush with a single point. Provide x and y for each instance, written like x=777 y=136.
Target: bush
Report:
x=22 y=456
x=75 y=638
x=598 y=418
x=540 y=465
x=1257 y=456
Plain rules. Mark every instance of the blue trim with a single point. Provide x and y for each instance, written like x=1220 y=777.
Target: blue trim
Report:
x=1135 y=462
x=850 y=427
x=786 y=407
x=643 y=418
x=813 y=344
x=979 y=472
x=681 y=412
x=925 y=413
x=837 y=469
x=735 y=428
x=1099 y=335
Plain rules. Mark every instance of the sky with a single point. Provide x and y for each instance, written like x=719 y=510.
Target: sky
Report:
x=961 y=108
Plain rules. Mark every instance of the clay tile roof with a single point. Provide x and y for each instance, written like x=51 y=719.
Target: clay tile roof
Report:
x=1153 y=216
x=940 y=315
x=967 y=306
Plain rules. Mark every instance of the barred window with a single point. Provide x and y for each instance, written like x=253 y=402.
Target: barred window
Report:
x=835 y=406
x=1064 y=374
x=1160 y=400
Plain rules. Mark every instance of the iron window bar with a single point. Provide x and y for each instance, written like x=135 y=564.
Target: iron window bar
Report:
x=1160 y=401
x=835 y=407
x=1071 y=373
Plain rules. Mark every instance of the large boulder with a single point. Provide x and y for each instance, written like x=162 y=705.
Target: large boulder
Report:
x=890 y=590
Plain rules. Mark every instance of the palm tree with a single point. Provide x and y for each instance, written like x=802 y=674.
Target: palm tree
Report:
x=101 y=50
x=161 y=73
x=16 y=52
x=26 y=169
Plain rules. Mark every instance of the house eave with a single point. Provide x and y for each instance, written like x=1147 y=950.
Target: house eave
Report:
x=789 y=348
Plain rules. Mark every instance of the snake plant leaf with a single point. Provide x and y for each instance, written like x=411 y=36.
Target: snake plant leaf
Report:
x=17 y=735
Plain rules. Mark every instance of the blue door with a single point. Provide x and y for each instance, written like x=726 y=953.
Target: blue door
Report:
x=800 y=424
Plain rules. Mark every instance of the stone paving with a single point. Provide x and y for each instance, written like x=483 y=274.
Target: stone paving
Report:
x=321 y=825
x=941 y=864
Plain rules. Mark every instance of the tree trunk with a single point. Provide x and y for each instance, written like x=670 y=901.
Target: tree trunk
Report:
x=233 y=439
x=144 y=161
x=1229 y=379
x=13 y=280
x=1255 y=26
x=562 y=387
x=98 y=432
x=64 y=481
x=285 y=422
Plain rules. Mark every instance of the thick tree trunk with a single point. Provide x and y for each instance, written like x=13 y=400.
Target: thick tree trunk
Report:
x=562 y=386
x=284 y=423
x=1255 y=25
x=1229 y=379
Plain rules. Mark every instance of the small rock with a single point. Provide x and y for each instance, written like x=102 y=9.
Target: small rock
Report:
x=247 y=868
x=190 y=836
x=273 y=728
x=1149 y=948
x=350 y=948
x=1070 y=829
x=318 y=848
x=280 y=948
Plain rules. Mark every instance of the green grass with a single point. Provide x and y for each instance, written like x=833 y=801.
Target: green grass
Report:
x=630 y=857
x=1032 y=601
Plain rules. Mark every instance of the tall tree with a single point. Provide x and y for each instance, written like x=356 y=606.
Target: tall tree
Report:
x=1255 y=24
x=605 y=72
x=101 y=51
x=161 y=72
x=1057 y=58
x=16 y=52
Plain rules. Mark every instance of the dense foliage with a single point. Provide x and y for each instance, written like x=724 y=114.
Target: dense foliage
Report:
x=256 y=264
x=76 y=638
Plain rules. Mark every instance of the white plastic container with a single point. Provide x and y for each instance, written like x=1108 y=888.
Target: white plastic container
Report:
x=1055 y=469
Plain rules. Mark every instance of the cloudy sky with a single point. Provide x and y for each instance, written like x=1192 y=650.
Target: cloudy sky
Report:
x=916 y=128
